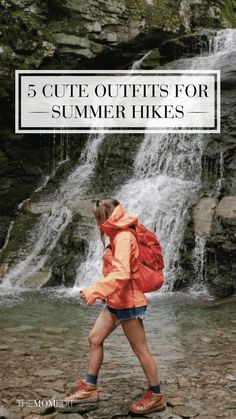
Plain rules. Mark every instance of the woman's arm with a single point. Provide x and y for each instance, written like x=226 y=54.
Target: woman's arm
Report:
x=119 y=275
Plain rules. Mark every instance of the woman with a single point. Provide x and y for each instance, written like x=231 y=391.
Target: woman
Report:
x=125 y=305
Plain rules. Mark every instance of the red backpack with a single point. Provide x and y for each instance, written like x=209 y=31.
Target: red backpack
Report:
x=149 y=276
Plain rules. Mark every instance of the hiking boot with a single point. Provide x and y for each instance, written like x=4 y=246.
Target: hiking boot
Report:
x=151 y=402
x=84 y=392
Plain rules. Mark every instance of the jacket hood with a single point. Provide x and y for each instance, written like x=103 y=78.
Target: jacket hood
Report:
x=119 y=219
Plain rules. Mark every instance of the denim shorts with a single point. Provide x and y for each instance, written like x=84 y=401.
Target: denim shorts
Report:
x=127 y=313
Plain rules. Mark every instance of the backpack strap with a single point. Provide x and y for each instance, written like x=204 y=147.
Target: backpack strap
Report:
x=132 y=230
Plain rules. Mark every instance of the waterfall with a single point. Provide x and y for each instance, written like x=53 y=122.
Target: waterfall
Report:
x=162 y=189
x=137 y=64
x=7 y=238
x=167 y=177
x=224 y=41
x=221 y=177
x=160 y=193
x=165 y=181
x=47 y=231
x=199 y=258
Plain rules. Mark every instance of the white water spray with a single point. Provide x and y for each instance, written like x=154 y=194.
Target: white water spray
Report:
x=138 y=63
x=199 y=258
x=167 y=176
x=45 y=235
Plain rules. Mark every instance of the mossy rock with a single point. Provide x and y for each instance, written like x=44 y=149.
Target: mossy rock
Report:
x=115 y=162
x=185 y=46
x=19 y=235
x=152 y=60
x=229 y=12
x=162 y=14
x=27 y=21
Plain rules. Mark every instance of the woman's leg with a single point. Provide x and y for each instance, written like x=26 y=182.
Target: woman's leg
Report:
x=135 y=333
x=103 y=326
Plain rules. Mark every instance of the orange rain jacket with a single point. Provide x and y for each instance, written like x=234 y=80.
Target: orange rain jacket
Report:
x=116 y=287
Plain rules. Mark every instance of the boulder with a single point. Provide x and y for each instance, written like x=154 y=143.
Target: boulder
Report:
x=6 y=414
x=226 y=209
x=203 y=214
x=185 y=46
x=185 y=411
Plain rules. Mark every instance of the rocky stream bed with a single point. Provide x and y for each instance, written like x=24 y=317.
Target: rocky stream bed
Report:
x=44 y=351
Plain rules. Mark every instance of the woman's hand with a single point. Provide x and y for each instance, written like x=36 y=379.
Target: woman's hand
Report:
x=82 y=296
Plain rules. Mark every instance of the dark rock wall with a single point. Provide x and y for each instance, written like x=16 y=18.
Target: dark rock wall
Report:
x=212 y=223
x=69 y=34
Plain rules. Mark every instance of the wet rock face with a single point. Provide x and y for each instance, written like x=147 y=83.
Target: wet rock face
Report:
x=185 y=46
x=69 y=34
x=206 y=13
x=115 y=163
x=25 y=164
x=208 y=252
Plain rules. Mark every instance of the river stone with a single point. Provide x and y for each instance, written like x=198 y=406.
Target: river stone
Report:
x=42 y=392
x=182 y=381
x=69 y=416
x=39 y=279
x=203 y=213
x=82 y=52
x=214 y=353
x=4 y=268
x=185 y=411
x=49 y=416
x=6 y=414
x=84 y=207
x=66 y=39
x=48 y=410
x=227 y=207
x=82 y=407
x=231 y=377
x=58 y=385
x=4 y=347
x=48 y=373
x=23 y=328
x=39 y=207
x=176 y=401
x=54 y=330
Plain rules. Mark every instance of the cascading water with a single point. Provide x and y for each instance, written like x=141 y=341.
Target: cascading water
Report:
x=167 y=173
x=49 y=228
x=221 y=177
x=199 y=258
x=163 y=187
x=223 y=41
x=159 y=193
x=167 y=176
x=138 y=63
x=7 y=237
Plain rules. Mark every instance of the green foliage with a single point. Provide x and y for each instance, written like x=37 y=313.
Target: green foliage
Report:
x=229 y=13
x=163 y=14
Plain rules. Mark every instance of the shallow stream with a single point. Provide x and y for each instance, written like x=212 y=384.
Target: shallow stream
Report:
x=44 y=350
